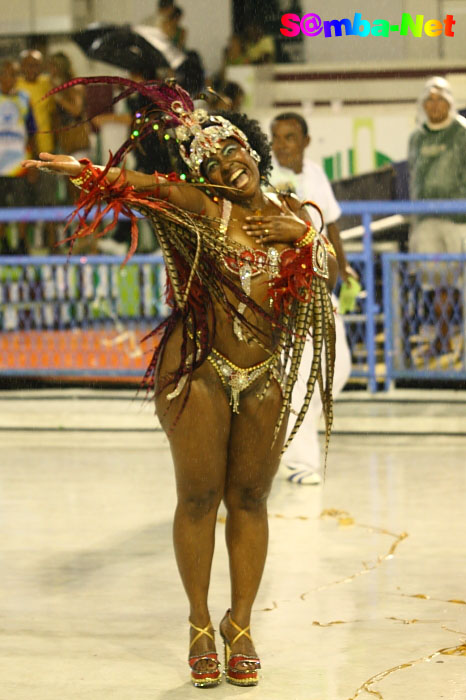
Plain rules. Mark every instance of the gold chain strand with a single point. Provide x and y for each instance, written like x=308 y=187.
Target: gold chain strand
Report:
x=392 y=619
x=423 y=596
x=345 y=520
x=462 y=634
x=459 y=650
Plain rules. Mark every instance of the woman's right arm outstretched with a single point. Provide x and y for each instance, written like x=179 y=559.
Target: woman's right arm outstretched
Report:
x=185 y=196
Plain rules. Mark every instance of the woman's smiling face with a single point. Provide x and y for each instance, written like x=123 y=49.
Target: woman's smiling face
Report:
x=233 y=166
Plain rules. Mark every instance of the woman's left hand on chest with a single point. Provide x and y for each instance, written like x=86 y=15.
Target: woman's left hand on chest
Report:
x=275 y=229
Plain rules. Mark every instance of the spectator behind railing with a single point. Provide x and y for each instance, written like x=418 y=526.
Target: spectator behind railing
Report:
x=70 y=107
x=235 y=52
x=35 y=83
x=294 y=172
x=71 y=130
x=260 y=47
x=231 y=93
x=17 y=127
x=437 y=156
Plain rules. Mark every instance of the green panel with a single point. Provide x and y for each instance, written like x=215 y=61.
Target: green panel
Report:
x=381 y=159
x=128 y=291
x=328 y=167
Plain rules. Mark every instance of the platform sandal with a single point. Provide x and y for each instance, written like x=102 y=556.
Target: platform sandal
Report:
x=204 y=679
x=235 y=675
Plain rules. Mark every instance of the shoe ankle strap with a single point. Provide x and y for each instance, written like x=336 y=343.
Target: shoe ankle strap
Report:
x=242 y=631
x=201 y=631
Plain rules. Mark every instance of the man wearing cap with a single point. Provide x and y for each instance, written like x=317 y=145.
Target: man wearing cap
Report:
x=437 y=157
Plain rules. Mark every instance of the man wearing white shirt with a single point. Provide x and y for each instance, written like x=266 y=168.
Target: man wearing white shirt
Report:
x=294 y=172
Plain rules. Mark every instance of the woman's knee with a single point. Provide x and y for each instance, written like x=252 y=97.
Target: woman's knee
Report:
x=198 y=504
x=249 y=498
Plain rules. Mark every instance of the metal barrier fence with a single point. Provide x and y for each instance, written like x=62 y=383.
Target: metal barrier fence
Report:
x=424 y=319
x=78 y=316
x=111 y=308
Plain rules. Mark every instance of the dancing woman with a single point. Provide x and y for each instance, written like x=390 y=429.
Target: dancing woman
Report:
x=248 y=280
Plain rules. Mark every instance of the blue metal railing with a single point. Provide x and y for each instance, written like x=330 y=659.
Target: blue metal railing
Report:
x=367 y=209
x=56 y=308
x=365 y=260
x=412 y=315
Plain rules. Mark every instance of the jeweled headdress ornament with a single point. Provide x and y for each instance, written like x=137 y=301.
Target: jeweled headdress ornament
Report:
x=205 y=139
x=173 y=107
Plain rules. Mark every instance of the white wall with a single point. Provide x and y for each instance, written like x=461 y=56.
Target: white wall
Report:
x=395 y=47
x=209 y=25
x=28 y=16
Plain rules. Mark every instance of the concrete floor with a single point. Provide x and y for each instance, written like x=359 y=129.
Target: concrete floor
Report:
x=90 y=602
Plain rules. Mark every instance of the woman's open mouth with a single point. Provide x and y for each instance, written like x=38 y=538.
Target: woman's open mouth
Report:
x=239 y=178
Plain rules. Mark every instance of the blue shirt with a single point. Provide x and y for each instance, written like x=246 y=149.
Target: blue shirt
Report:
x=16 y=125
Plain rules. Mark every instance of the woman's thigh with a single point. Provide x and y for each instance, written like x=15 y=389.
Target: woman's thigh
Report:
x=253 y=454
x=199 y=434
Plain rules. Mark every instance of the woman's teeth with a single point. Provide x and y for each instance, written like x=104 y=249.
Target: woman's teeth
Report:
x=239 y=178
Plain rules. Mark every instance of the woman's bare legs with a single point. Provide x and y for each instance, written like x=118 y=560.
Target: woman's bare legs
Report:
x=199 y=445
x=252 y=464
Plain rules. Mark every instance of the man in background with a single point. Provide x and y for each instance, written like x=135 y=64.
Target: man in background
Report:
x=17 y=129
x=437 y=155
x=294 y=172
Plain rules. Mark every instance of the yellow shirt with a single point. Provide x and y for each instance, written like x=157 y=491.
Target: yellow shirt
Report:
x=42 y=111
x=264 y=47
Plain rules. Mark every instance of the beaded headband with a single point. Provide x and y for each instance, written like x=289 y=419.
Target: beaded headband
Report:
x=205 y=140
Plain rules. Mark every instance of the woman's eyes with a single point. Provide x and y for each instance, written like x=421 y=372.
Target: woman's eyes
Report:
x=231 y=148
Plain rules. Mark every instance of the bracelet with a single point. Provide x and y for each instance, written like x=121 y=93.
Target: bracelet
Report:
x=78 y=181
x=307 y=237
x=83 y=183
x=84 y=179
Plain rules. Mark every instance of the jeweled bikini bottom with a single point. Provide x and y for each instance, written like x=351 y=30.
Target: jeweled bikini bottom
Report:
x=236 y=379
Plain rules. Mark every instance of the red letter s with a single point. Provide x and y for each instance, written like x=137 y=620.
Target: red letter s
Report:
x=288 y=21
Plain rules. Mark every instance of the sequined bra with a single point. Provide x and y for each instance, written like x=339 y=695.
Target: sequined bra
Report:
x=245 y=261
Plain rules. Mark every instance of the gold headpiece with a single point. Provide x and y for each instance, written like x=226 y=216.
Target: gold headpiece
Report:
x=206 y=140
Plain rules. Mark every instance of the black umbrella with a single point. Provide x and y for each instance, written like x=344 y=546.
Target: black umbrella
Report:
x=137 y=49
x=141 y=49
x=85 y=37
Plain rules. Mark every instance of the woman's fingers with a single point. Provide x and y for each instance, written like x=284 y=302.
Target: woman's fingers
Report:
x=66 y=167
x=261 y=219
x=32 y=163
x=257 y=227
x=44 y=158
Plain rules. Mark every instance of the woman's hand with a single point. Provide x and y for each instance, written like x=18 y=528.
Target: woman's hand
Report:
x=275 y=229
x=58 y=164
x=349 y=272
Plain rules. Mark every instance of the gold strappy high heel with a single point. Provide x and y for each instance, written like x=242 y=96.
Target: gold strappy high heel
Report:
x=204 y=679
x=235 y=675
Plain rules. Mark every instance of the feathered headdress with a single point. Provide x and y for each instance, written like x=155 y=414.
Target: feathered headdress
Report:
x=197 y=133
